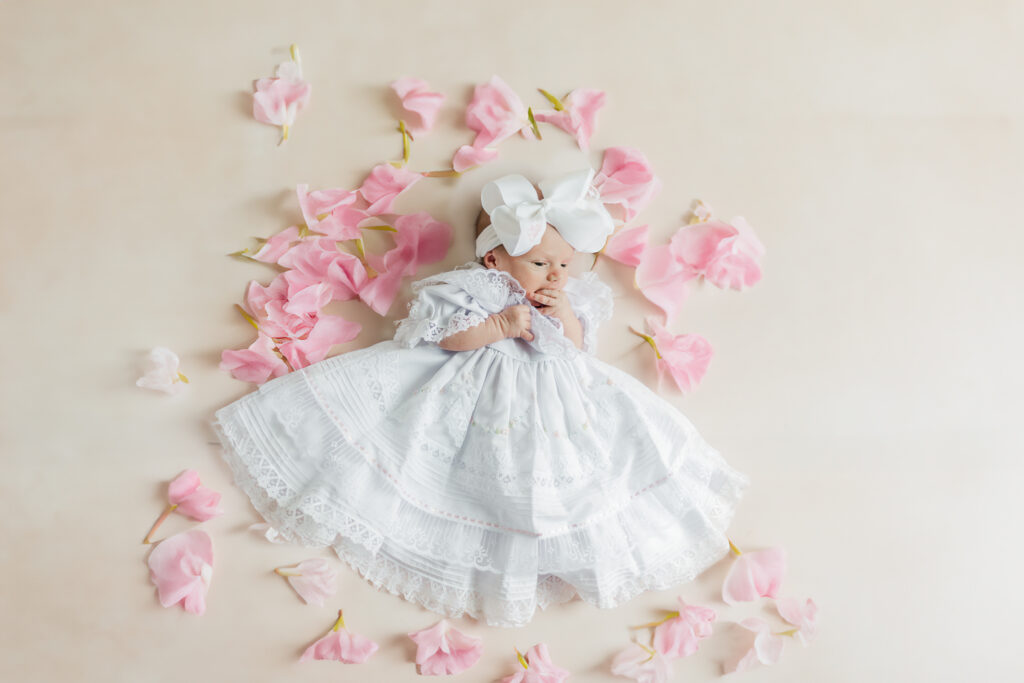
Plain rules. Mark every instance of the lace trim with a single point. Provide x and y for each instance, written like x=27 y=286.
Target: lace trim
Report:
x=592 y=304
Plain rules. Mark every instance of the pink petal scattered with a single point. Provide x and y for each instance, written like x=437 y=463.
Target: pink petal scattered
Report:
x=256 y=364
x=468 y=156
x=341 y=645
x=726 y=255
x=754 y=575
x=766 y=648
x=680 y=637
x=684 y=357
x=327 y=331
x=192 y=499
x=442 y=649
x=626 y=179
x=803 y=616
x=380 y=292
x=383 y=186
x=642 y=664
x=540 y=668
x=278 y=100
x=161 y=372
x=275 y=247
x=496 y=113
x=662 y=279
x=417 y=99
x=579 y=118
x=334 y=212
x=314 y=580
x=181 y=568
x=627 y=246
x=419 y=240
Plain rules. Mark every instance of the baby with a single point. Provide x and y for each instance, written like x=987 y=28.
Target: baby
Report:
x=484 y=461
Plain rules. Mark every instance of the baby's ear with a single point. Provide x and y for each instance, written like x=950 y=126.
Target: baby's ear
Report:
x=490 y=260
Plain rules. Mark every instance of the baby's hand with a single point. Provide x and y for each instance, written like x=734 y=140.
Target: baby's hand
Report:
x=515 y=322
x=553 y=302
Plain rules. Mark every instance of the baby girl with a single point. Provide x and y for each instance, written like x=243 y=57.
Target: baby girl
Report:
x=485 y=462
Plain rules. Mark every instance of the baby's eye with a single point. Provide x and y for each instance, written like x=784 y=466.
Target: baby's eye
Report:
x=538 y=263
x=565 y=265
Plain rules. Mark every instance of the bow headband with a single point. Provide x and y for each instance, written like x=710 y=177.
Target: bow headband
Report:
x=518 y=218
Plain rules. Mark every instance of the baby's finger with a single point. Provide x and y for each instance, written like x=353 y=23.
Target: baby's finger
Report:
x=527 y=335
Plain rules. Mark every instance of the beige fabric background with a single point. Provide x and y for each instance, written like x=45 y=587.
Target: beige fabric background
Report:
x=868 y=385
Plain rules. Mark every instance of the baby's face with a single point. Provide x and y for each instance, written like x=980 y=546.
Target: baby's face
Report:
x=546 y=266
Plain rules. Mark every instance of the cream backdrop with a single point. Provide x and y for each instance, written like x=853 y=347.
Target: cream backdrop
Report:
x=867 y=385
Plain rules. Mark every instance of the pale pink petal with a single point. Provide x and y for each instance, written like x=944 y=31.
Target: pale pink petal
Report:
x=277 y=100
x=342 y=646
x=726 y=256
x=680 y=637
x=766 y=647
x=343 y=223
x=684 y=357
x=322 y=202
x=804 y=616
x=193 y=500
x=662 y=279
x=307 y=299
x=379 y=292
x=275 y=247
x=442 y=649
x=419 y=240
x=627 y=246
x=579 y=117
x=161 y=372
x=327 y=331
x=626 y=179
x=383 y=185
x=496 y=113
x=181 y=568
x=468 y=156
x=754 y=575
x=417 y=99
x=642 y=665
x=257 y=364
x=314 y=580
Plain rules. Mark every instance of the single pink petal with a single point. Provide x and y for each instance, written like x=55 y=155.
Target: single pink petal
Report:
x=314 y=580
x=627 y=246
x=442 y=649
x=579 y=117
x=322 y=202
x=181 y=568
x=307 y=299
x=468 y=156
x=275 y=247
x=496 y=113
x=161 y=372
x=725 y=256
x=642 y=665
x=383 y=185
x=257 y=364
x=417 y=99
x=379 y=292
x=347 y=277
x=627 y=179
x=684 y=357
x=754 y=575
x=192 y=499
x=680 y=637
x=662 y=279
x=804 y=616
x=277 y=100
x=326 y=332
x=342 y=646
x=342 y=223
x=419 y=240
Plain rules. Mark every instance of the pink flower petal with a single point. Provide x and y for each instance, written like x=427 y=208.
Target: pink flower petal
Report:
x=680 y=637
x=684 y=357
x=803 y=616
x=724 y=254
x=417 y=99
x=257 y=364
x=642 y=665
x=627 y=246
x=579 y=118
x=442 y=649
x=379 y=292
x=192 y=499
x=161 y=372
x=468 y=156
x=277 y=100
x=662 y=279
x=754 y=575
x=496 y=113
x=341 y=645
x=383 y=185
x=326 y=332
x=314 y=580
x=540 y=668
x=419 y=240
x=275 y=247
x=626 y=179
x=181 y=568
x=334 y=205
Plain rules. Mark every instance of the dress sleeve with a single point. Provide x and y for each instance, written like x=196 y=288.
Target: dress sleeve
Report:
x=439 y=311
x=591 y=301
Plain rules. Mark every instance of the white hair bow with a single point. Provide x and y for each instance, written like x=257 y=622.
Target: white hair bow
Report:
x=518 y=218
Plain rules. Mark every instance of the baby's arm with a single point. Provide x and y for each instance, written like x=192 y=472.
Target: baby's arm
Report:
x=514 y=321
x=555 y=303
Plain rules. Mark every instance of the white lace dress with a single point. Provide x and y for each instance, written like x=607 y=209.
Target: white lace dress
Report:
x=487 y=482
